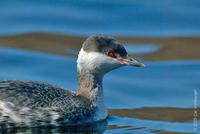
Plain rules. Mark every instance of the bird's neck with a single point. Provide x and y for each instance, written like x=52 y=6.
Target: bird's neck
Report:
x=90 y=85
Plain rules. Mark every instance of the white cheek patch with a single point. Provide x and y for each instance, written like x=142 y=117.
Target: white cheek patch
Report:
x=94 y=60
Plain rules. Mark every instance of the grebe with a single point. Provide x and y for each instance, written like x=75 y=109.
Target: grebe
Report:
x=30 y=103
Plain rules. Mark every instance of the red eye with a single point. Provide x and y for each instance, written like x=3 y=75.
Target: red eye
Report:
x=111 y=54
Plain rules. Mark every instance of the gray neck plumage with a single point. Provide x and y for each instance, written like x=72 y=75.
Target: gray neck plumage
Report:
x=90 y=85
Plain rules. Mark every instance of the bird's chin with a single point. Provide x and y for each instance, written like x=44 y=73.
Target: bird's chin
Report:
x=108 y=69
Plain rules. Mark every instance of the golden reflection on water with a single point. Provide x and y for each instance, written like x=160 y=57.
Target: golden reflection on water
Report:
x=170 y=114
x=173 y=48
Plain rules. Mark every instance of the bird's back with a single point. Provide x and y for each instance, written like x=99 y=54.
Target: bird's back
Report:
x=36 y=103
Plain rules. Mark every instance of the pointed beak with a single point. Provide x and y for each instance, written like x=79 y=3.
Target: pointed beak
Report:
x=130 y=62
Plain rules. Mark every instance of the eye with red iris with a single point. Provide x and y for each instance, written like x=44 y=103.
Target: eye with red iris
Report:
x=111 y=54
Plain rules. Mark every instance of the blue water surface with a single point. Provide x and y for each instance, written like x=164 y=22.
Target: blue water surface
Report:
x=163 y=84
x=141 y=48
x=115 y=17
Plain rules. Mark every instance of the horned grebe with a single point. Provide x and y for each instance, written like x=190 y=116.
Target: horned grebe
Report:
x=30 y=103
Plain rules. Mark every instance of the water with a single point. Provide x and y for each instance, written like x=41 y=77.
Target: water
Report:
x=160 y=84
x=115 y=17
x=141 y=48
